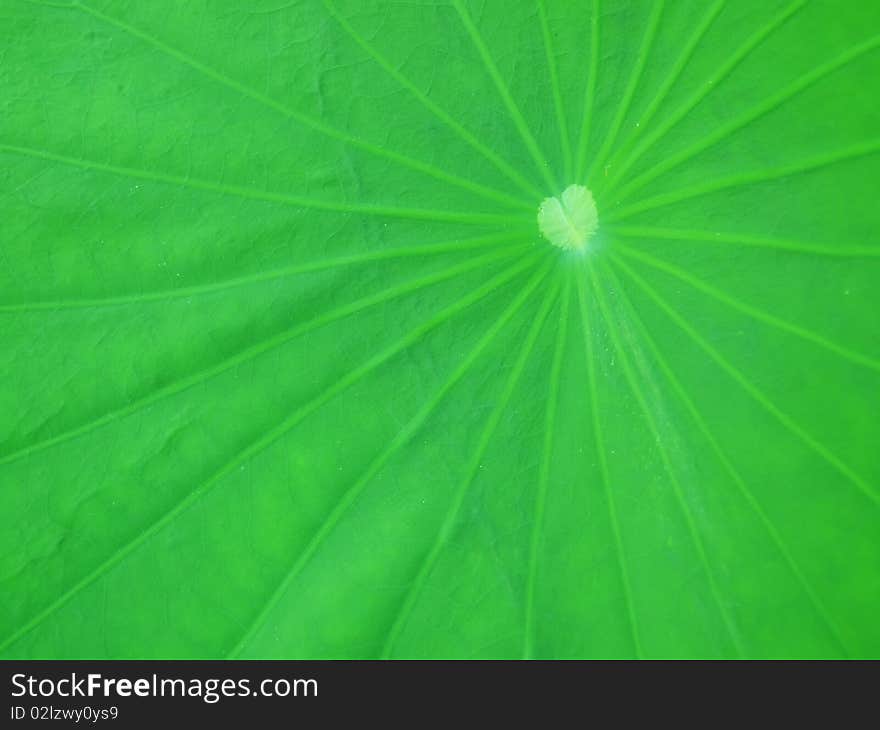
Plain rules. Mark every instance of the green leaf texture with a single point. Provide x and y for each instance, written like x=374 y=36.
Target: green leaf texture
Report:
x=287 y=370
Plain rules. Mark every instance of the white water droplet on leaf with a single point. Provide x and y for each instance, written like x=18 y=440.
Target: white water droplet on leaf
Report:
x=570 y=220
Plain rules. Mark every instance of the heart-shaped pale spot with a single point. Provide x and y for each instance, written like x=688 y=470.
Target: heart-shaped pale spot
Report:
x=570 y=220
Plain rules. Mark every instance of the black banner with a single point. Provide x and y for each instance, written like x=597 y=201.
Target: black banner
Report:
x=149 y=693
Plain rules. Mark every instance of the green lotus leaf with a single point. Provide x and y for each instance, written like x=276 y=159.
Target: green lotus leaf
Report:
x=288 y=369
